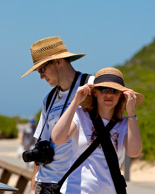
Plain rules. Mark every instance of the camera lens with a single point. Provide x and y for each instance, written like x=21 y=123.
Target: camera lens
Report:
x=30 y=155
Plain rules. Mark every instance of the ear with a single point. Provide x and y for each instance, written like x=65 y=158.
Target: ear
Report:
x=58 y=61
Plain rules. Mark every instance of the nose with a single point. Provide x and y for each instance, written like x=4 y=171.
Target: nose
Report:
x=42 y=76
x=109 y=92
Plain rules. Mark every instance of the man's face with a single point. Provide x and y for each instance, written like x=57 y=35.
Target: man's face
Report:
x=48 y=71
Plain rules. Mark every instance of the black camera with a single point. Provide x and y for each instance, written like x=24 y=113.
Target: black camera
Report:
x=42 y=153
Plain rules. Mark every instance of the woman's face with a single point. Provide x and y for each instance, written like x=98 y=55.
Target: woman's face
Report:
x=108 y=100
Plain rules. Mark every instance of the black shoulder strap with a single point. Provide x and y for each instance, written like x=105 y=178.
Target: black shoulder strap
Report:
x=55 y=91
x=85 y=154
x=84 y=79
x=110 y=154
x=50 y=97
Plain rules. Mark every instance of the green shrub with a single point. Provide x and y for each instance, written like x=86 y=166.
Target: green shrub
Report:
x=8 y=127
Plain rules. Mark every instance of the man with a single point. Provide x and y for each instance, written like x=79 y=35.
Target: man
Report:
x=27 y=139
x=53 y=61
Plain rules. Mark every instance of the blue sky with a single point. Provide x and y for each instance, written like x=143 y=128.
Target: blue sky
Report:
x=109 y=32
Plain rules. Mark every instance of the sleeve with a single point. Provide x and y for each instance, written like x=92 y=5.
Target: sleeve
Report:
x=126 y=125
x=76 y=119
x=39 y=127
x=41 y=120
x=91 y=79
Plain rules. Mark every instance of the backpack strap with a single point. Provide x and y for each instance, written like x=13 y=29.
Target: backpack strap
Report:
x=84 y=79
x=49 y=98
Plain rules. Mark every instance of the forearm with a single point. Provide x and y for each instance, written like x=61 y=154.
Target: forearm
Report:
x=33 y=182
x=62 y=131
x=133 y=142
x=133 y=139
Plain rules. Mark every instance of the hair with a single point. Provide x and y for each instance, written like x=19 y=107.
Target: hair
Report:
x=67 y=59
x=119 y=108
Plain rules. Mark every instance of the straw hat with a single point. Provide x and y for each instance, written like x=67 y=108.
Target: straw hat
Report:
x=112 y=78
x=48 y=49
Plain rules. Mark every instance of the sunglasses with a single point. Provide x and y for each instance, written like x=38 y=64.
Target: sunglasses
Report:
x=105 y=90
x=42 y=69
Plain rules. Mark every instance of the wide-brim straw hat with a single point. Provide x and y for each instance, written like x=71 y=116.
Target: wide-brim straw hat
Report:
x=48 y=49
x=112 y=78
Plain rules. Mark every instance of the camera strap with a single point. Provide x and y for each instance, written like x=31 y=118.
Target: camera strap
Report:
x=57 y=88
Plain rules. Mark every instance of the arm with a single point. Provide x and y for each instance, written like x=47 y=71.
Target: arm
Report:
x=65 y=128
x=132 y=141
x=33 y=182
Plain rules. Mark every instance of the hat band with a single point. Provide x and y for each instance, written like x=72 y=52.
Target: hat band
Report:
x=109 y=78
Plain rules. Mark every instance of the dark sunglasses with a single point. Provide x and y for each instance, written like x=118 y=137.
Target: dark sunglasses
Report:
x=105 y=90
x=42 y=69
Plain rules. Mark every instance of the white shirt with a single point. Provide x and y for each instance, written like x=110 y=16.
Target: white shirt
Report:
x=93 y=175
x=54 y=171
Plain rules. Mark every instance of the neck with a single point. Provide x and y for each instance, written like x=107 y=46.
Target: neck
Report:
x=67 y=79
x=106 y=114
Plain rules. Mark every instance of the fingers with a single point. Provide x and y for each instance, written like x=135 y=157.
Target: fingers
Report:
x=130 y=101
x=85 y=89
x=129 y=94
x=82 y=93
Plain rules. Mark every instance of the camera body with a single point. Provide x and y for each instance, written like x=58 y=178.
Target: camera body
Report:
x=42 y=153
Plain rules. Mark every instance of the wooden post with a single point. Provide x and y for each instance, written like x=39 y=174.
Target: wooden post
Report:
x=24 y=176
x=127 y=164
x=21 y=184
x=5 y=176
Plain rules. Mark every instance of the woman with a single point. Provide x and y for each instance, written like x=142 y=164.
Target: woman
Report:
x=109 y=98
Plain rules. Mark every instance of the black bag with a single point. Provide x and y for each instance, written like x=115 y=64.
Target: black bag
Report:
x=53 y=189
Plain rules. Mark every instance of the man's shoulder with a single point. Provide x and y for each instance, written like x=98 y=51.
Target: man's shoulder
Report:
x=86 y=78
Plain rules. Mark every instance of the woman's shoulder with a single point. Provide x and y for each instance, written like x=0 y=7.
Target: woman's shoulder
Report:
x=124 y=119
x=80 y=111
x=122 y=124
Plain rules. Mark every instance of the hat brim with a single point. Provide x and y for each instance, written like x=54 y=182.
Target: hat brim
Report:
x=72 y=56
x=87 y=102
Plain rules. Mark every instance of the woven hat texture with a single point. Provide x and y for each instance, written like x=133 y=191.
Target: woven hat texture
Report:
x=48 y=49
x=112 y=78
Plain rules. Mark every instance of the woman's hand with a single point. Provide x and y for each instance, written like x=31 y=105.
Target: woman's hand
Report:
x=82 y=93
x=130 y=101
x=132 y=141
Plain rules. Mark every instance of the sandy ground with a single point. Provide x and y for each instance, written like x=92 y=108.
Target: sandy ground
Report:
x=141 y=171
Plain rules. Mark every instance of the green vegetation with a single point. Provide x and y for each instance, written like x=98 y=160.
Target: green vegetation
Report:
x=139 y=74
x=38 y=116
x=8 y=127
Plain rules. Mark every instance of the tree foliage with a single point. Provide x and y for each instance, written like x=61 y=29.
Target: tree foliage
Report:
x=139 y=74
